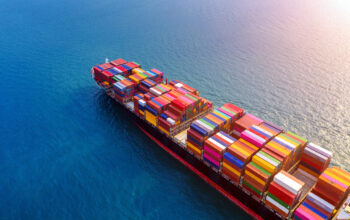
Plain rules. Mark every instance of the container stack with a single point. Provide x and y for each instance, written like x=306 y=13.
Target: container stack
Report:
x=157 y=75
x=210 y=124
x=331 y=189
x=133 y=65
x=298 y=139
x=271 y=128
x=122 y=67
x=285 y=148
x=126 y=69
x=256 y=135
x=214 y=148
x=124 y=89
x=236 y=158
x=154 y=108
x=260 y=170
x=145 y=85
x=137 y=97
x=315 y=159
x=118 y=62
x=186 y=106
x=117 y=78
x=230 y=113
x=182 y=87
x=200 y=130
x=244 y=123
x=138 y=75
x=142 y=107
x=102 y=75
x=256 y=178
x=284 y=192
x=165 y=122
x=160 y=89
x=118 y=68
x=269 y=159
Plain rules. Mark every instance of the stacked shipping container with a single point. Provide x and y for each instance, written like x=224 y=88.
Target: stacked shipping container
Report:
x=244 y=123
x=330 y=190
x=220 y=119
x=314 y=159
x=214 y=148
x=273 y=156
x=284 y=192
x=236 y=158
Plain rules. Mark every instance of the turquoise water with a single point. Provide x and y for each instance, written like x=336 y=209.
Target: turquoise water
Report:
x=68 y=152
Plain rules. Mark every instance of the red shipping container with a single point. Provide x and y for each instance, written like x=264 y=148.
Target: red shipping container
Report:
x=333 y=189
x=107 y=76
x=133 y=65
x=164 y=123
x=172 y=115
x=105 y=66
x=328 y=196
x=316 y=164
x=282 y=193
x=118 y=62
x=195 y=135
x=122 y=69
x=176 y=111
x=178 y=104
x=236 y=109
x=246 y=122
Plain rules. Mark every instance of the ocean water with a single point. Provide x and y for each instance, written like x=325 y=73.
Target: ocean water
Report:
x=68 y=152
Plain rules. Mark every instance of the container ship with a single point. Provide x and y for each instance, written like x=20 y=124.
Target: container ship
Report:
x=269 y=172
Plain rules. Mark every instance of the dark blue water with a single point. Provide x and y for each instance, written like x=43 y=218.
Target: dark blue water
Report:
x=68 y=152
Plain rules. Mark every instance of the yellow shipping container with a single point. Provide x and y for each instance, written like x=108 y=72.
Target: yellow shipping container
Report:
x=134 y=79
x=193 y=148
x=264 y=164
x=341 y=173
x=249 y=144
x=333 y=173
x=262 y=182
x=238 y=173
x=165 y=131
x=151 y=118
x=137 y=70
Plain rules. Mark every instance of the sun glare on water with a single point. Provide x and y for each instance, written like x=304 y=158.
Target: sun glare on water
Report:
x=342 y=6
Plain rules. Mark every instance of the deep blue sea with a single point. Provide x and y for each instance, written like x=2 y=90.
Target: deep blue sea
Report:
x=69 y=152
